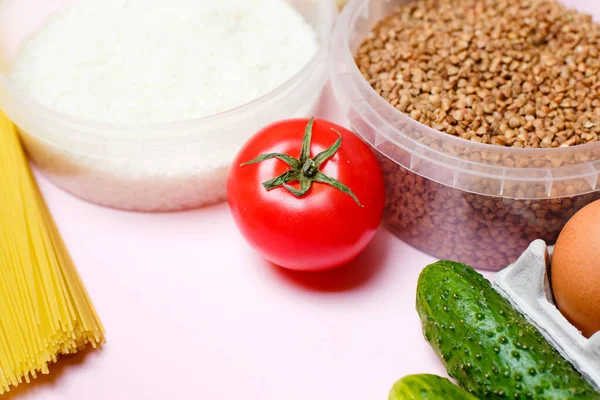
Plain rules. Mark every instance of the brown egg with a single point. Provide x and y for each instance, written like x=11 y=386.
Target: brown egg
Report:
x=576 y=270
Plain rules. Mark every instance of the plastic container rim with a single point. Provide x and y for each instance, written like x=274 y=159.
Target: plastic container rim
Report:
x=98 y=130
x=346 y=20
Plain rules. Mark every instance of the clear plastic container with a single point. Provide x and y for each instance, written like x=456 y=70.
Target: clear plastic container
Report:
x=162 y=172
x=475 y=203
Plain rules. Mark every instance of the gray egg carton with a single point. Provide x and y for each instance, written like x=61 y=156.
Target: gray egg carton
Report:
x=526 y=285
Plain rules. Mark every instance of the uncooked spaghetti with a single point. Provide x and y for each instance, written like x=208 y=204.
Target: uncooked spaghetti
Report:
x=45 y=310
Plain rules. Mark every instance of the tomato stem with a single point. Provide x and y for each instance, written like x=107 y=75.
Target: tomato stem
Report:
x=305 y=170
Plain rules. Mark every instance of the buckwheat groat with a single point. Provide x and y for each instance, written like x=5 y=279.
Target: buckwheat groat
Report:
x=512 y=73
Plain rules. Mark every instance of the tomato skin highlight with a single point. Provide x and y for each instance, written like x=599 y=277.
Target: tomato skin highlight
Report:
x=323 y=229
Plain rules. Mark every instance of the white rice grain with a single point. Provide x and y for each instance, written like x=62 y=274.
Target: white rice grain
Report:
x=156 y=61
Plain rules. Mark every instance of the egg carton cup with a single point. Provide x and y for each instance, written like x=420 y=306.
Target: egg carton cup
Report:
x=526 y=285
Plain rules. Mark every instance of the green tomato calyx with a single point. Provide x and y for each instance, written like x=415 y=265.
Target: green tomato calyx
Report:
x=305 y=170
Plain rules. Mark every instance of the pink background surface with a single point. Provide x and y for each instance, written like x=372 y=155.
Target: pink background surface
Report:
x=192 y=312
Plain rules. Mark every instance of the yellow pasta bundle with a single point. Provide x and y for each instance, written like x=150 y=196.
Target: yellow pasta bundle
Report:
x=45 y=310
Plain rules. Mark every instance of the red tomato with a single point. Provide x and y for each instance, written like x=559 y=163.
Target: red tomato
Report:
x=322 y=229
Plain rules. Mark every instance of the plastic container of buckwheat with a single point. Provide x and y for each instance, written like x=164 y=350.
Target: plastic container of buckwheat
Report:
x=477 y=203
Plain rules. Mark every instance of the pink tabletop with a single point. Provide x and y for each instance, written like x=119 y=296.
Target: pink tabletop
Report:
x=192 y=312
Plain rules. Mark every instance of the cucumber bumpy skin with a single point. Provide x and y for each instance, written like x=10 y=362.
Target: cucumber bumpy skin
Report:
x=427 y=387
x=486 y=345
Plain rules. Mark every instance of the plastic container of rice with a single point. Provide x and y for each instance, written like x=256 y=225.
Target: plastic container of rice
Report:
x=472 y=201
x=142 y=162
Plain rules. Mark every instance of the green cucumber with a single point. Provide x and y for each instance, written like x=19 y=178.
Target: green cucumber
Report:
x=427 y=387
x=487 y=346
